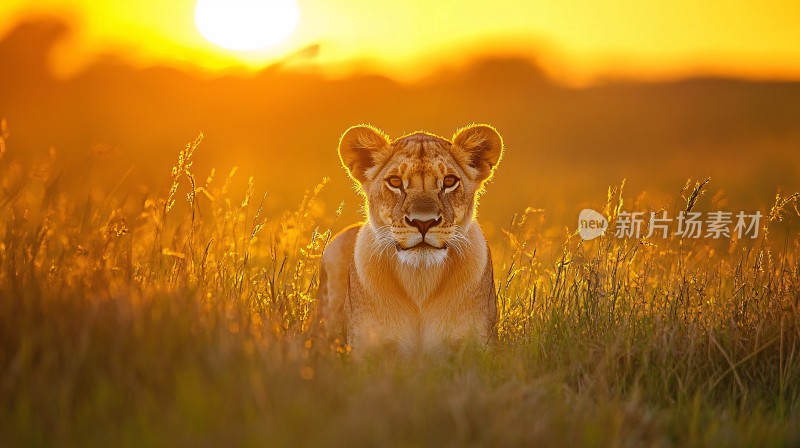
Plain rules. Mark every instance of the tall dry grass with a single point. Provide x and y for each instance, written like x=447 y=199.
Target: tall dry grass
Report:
x=183 y=317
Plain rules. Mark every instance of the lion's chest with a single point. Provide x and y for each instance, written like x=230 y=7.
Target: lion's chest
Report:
x=396 y=320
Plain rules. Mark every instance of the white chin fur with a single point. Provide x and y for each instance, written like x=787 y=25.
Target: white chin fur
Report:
x=422 y=257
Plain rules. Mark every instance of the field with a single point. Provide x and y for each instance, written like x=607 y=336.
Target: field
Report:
x=184 y=317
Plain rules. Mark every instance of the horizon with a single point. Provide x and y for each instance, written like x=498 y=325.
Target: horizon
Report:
x=664 y=46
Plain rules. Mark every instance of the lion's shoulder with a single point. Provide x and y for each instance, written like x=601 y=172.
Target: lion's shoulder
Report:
x=334 y=271
x=339 y=252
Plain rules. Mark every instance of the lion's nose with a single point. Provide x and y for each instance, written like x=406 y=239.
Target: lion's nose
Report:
x=423 y=226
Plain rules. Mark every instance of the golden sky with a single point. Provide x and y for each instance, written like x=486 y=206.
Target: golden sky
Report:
x=577 y=40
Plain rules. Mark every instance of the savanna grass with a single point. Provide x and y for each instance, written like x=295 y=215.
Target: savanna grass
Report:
x=186 y=319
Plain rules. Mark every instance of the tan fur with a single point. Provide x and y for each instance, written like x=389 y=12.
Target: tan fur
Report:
x=417 y=275
x=333 y=280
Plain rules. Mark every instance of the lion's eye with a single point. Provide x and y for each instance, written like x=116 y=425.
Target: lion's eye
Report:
x=394 y=181
x=450 y=181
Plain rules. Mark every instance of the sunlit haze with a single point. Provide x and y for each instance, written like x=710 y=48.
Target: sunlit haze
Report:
x=576 y=41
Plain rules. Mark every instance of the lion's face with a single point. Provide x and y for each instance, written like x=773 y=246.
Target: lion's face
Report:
x=421 y=189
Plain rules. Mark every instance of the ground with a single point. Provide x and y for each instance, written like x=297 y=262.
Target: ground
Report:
x=184 y=318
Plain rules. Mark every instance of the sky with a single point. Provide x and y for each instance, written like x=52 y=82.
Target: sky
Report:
x=577 y=41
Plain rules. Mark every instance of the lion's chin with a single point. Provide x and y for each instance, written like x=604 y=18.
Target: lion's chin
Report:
x=422 y=245
x=422 y=255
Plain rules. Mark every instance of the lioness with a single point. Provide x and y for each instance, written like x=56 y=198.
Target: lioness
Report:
x=417 y=275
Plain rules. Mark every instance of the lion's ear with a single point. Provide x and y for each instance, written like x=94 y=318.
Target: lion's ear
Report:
x=361 y=148
x=480 y=148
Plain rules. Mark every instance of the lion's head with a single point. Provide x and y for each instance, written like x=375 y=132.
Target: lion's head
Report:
x=421 y=190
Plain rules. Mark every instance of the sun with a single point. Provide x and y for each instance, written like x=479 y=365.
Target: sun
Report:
x=246 y=25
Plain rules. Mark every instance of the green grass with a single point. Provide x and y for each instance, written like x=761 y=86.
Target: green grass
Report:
x=183 y=319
